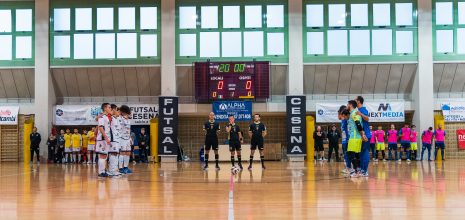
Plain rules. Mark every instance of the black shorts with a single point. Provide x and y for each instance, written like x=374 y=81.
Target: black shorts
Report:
x=319 y=147
x=211 y=143
x=254 y=143
x=234 y=146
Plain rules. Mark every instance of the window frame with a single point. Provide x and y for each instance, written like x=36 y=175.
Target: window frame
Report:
x=454 y=56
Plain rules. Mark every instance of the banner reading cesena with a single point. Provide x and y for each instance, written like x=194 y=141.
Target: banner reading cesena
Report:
x=378 y=111
x=86 y=114
x=242 y=110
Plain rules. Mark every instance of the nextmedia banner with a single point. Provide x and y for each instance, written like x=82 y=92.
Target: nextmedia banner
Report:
x=242 y=110
x=378 y=111
x=86 y=114
x=9 y=115
x=453 y=111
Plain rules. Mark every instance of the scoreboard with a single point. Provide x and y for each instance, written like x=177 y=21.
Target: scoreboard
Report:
x=231 y=80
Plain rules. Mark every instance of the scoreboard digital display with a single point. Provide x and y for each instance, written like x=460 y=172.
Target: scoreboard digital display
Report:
x=231 y=80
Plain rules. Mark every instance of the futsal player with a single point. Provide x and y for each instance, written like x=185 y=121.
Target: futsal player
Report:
x=125 y=140
x=235 y=140
x=103 y=138
x=91 y=146
x=85 y=144
x=413 y=142
x=439 y=136
x=68 y=149
x=374 y=154
x=404 y=135
x=257 y=131
x=115 y=142
x=76 y=143
x=365 y=152
x=392 y=142
x=211 y=129
x=356 y=137
x=379 y=135
x=343 y=115
x=427 y=140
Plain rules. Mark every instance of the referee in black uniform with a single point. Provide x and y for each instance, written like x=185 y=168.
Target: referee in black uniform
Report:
x=235 y=140
x=257 y=131
x=211 y=129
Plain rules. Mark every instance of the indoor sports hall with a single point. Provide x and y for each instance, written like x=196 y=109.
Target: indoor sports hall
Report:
x=232 y=109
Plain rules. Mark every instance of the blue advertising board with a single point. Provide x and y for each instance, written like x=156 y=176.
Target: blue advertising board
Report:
x=242 y=110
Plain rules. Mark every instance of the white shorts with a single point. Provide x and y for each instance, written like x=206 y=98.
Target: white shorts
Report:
x=76 y=149
x=101 y=147
x=114 y=147
x=125 y=145
x=90 y=147
x=68 y=150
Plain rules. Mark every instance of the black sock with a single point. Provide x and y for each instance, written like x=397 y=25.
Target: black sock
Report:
x=216 y=159
x=206 y=159
x=239 y=159
x=232 y=160
x=262 y=159
x=251 y=160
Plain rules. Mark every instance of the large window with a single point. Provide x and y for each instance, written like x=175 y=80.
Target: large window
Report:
x=104 y=32
x=16 y=34
x=360 y=31
x=231 y=30
x=449 y=30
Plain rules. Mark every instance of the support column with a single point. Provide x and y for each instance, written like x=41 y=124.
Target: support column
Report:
x=422 y=93
x=44 y=95
x=168 y=48
x=295 y=78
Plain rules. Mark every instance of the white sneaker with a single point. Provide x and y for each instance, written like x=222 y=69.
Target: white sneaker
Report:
x=384 y=160
x=408 y=160
x=353 y=174
x=344 y=171
x=399 y=160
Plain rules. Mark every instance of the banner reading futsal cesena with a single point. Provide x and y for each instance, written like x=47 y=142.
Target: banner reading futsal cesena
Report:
x=242 y=110
x=86 y=114
x=378 y=111
x=453 y=111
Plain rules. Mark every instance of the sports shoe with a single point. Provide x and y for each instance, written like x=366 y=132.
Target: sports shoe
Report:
x=263 y=167
x=365 y=174
x=217 y=167
x=384 y=160
x=103 y=175
x=240 y=167
x=128 y=171
x=399 y=160
x=344 y=171
x=353 y=174
x=205 y=167
x=408 y=160
x=122 y=170
x=250 y=167
x=134 y=162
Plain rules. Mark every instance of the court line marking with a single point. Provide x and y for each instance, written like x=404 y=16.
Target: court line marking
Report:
x=231 y=199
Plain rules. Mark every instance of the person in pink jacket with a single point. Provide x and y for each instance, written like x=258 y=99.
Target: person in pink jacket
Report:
x=440 y=136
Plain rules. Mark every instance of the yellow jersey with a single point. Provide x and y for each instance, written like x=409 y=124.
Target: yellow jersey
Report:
x=91 y=135
x=67 y=140
x=76 y=140
x=85 y=140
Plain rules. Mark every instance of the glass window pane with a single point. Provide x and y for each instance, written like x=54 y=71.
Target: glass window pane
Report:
x=83 y=19
x=7 y=47
x=253 y=44
x=187 y=18
x=359 y=15
x=209 y=17
x=61 y=47
x=381 y=41
x=83 y=46
x=404 y=41
x=105 y=19
x=231 y=44
x=253 y=16
x=231 y=17
x=359 y=42
x=104 y=46
x=275 y=16
x=5 y=20
x=337 y=43
x=61 y=19
x=127 y=18
x=444 y=13
x=148 y=45
x=444 y=41
x=404 y=14
x=337 y=15
x=24 y=20
x=148 y=18
x=315 y=16
x=209 y=44
x=127 y=45
x=187 y=45
x=23 y=47
x=315 y=43
x=275 y=43
x=382 y=14
x=461 y=40
x=461 y=13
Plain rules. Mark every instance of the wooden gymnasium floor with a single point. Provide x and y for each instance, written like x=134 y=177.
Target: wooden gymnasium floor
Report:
x=419 y=190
